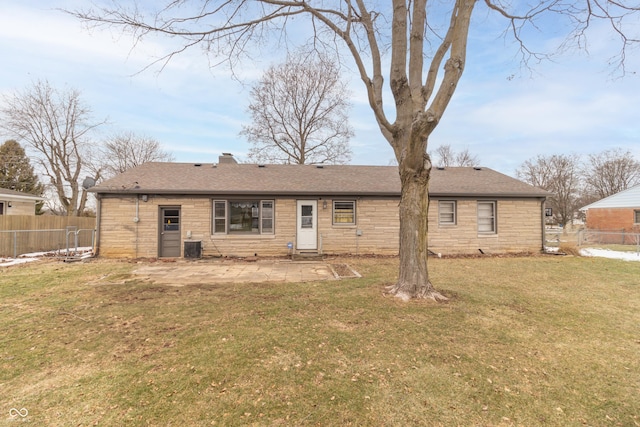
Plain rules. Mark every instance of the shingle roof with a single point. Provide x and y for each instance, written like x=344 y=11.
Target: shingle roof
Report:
x=239 y=179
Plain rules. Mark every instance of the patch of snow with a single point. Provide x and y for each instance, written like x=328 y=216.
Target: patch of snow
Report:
x=8 y=262
x=606 y=253
x=84 y=252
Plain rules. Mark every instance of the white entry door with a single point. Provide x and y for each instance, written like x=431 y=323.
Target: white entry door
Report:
x=307 y=225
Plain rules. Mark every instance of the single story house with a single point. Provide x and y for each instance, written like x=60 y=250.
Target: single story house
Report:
x=618 y=212
x=231 y=209
x=17 y=203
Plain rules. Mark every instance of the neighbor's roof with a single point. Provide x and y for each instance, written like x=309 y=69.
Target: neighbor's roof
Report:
x=283 y=180
x=629 y=198
x=7 y=194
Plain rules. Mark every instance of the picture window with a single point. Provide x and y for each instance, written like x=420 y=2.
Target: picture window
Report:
x=243 y=216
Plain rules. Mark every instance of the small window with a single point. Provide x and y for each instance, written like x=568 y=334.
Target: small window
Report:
x=447 y=212
x=636 y=216
x=267 y=216
x=171 y=219
x=487 y=217
x=344 y=212
x=219 y=216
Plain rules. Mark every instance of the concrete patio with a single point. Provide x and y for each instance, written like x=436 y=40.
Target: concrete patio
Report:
x=183 y=273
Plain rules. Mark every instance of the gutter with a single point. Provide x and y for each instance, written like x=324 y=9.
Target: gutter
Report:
x=321 y=193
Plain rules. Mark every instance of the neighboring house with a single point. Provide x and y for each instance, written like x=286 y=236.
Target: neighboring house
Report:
x=230 y=209
x=618 y=212
x=17 y=203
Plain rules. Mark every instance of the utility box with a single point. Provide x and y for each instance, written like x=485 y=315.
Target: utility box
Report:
x=193 y=249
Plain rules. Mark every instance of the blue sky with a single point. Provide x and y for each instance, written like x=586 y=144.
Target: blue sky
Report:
x=502 y=113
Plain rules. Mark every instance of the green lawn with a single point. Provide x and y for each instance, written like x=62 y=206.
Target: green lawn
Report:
x=539 y=341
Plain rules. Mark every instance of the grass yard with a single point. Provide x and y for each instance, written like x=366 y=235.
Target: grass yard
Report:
x=539 y=341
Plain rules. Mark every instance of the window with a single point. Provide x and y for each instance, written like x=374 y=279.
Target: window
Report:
x=243 y=216
x=219 y=216
x=267 y=216
x=344 y=212
x=171 y=219
x=447 y=212
x=636 y=217
x=487 y=217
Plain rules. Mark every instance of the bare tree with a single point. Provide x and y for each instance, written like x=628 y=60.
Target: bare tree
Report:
x=610 y=172
x=127 y=150
x=424 y=67
x=299 y=113
x=56 y=126
x=560 y=175
x=445 y=156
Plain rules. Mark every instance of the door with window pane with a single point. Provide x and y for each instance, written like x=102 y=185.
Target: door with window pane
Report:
x=307 y=224
x=169 y=232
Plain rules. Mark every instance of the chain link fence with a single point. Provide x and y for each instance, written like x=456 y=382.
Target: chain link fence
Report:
x=617 y=240
x=17 y=242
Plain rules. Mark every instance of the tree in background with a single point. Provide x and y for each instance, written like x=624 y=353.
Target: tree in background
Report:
x=299 y=113
x=445 y=156
x=610 y=172
x=419 y=46
x=128 y=150
x=560 y=175
x=16 y=172
x=56 y=126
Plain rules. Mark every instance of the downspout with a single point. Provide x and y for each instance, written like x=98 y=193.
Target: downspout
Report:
x=96 y=248
x=543 y=221
x=136 y=219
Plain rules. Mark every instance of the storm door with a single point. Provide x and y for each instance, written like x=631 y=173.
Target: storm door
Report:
x=169 y=232
x=307 y=224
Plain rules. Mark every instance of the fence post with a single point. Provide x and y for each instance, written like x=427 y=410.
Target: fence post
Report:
x=15 y=244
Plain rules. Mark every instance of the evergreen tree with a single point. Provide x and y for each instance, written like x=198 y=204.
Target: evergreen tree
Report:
x=16 y=172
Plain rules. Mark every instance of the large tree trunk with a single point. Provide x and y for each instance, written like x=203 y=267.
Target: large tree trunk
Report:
x=413 y=276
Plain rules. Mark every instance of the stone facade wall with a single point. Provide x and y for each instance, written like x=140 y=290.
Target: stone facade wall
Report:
x=612 y=219
x=519 y=228
x=129 y=228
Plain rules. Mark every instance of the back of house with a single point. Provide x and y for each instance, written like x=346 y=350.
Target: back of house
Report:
x=230 y=209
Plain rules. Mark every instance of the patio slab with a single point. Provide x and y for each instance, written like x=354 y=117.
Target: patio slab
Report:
x=208 y=272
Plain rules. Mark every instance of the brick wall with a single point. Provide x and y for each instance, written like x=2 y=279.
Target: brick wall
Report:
x=376 y=231
x=611 y=219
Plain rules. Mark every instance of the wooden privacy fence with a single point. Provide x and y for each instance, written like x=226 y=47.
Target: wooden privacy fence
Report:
x=21 y=234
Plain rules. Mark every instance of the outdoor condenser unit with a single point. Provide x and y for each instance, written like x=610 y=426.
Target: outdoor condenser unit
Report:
x=193 y=249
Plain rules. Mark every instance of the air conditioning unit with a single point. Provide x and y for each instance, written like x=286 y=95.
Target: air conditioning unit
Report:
x=193 y=249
